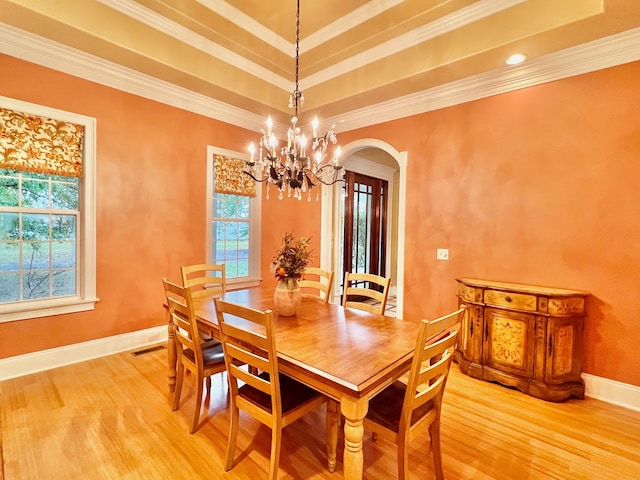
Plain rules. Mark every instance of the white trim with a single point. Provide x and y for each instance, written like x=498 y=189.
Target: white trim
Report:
x=248 y=24
x=189 y=37
x=41 y=51
x=86 y=298
x=331 y=216
x=58 y=357
x=612 y=391
x=589 y=57
x=596 y=55
x=345 y=23
x=443 y=25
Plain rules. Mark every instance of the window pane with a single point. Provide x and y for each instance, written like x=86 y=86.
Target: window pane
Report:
x=9 y=256
x=9 y=287
x=9 y=226
x=243 y=241
x=64 y=283
x=35 y=256
x=8 y=189
x=35 y=285
x=35 y=226
x=243 y=268
x=64 y=254
x=63 y=227
x=35 y=194
x=64 y=195
x=243 y=207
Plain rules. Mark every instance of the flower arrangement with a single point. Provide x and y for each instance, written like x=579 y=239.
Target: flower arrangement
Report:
x=291 y=259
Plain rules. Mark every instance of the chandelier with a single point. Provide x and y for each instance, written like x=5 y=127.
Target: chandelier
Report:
x=302 y=164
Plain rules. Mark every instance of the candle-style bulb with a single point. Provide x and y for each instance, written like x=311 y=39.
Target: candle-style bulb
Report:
x=315 y=124
x=336 y=155
x=269 y=126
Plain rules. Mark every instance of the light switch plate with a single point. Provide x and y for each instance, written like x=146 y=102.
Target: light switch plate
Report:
x=442 y=254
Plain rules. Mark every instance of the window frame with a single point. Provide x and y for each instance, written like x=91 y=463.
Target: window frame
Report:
x=85 y=299
x=255 y=222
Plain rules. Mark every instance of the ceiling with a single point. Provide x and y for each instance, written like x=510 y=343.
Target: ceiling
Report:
x=361 y=61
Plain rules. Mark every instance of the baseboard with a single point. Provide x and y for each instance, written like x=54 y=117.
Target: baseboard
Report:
x=57 y=357
x=611 y=391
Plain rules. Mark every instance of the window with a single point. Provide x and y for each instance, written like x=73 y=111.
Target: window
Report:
x=47 y=233
x=233 y=232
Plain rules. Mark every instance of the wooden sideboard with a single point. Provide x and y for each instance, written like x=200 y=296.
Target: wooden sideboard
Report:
x=523 y=336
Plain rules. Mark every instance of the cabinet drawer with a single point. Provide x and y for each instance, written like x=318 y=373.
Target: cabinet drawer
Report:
x=469 y=294
x=518 y=301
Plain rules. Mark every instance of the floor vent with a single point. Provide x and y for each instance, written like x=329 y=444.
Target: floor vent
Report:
x=147 y=350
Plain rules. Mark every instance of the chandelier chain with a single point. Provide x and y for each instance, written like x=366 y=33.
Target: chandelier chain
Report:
x=302 y=162
x=297 y=92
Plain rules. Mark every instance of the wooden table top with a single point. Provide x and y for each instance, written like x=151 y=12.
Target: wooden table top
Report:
x=350 y=351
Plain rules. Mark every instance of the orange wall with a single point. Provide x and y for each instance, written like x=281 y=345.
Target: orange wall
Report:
x=536 y=186
x=151 y=190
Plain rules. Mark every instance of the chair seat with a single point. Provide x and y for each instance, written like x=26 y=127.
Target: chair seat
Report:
x=212 y=353
x=292 y=393
x=386 y=407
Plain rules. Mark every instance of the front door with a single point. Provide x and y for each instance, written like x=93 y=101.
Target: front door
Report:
x=365 y=224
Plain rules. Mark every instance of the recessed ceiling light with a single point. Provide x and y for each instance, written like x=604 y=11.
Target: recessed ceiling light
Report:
x=516 y=58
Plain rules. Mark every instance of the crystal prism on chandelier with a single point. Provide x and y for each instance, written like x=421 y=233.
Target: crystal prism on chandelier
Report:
x=304 y=162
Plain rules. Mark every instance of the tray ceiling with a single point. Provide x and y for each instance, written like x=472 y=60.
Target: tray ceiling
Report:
x=354 y=54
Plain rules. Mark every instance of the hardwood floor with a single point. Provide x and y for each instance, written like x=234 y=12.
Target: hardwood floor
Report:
x=110 y=418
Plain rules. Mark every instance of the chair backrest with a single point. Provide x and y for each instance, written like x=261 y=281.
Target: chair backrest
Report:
x=431 y=365
x=247 y=339
x=185 y=327
x=205 y=279
x=319 y=280
x=365 y=291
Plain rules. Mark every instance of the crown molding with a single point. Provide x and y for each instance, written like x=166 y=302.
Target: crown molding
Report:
x=35 y=49
x=188 y=37
x=604 y=53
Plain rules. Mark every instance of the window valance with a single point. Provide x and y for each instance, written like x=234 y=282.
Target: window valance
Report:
x=229 y=177
x=32 y=143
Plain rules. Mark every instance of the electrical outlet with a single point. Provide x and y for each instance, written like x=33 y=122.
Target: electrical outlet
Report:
x=442 y=254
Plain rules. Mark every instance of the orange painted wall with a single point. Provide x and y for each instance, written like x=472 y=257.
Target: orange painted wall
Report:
x=151 y=191
x=536 y=186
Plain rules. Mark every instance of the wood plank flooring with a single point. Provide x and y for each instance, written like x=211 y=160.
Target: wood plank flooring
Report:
x=110 y=418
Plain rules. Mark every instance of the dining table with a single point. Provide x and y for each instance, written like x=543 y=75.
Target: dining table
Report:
x=347 y=354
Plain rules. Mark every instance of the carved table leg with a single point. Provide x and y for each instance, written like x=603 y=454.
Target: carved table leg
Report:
x=333 y=422
x=354 y=412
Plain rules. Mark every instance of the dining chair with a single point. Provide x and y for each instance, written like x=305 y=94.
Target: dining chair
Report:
x=273 y=398
x=401 y=411
x=318 y=280
x=201 y=359
x=205 y=279
x=365 y=291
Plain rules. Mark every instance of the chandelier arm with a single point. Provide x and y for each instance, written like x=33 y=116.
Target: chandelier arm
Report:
x=254 y=178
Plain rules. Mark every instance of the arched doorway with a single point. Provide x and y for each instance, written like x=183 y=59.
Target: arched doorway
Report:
x=377 y=159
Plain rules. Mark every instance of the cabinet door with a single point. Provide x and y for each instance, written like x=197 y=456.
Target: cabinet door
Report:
x=470 y=340
x=563 y=350
x=509 y=341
